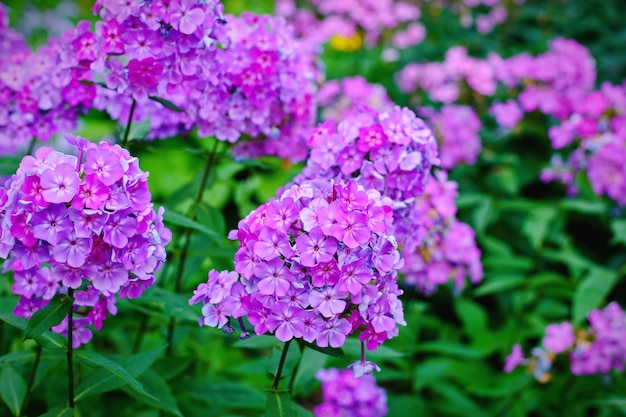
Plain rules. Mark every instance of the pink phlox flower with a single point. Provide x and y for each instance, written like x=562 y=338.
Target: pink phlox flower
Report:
x=325 y=273
x=333 y=333
x=351 y=228
x=119 y=227
x=272 y=244
x=281 y=215
x=275 y=277
x=185 y=16
x=60 y=184
x=220 y=284
x=315 y=247
x=105 y=164
x=50 y=222
x=371 y=137
x=559 y=337
x=144 y=72
x=286 y=321
x=91 y=194
x=71 y=249
x=329 y=301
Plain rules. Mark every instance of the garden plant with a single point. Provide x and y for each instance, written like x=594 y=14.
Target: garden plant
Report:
x=328 y=208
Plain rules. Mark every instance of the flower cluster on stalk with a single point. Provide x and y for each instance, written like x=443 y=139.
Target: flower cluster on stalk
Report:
x=447 y=250
x=389 y=151
x=597 y=349
x=84 y=223
x=345 y=395
x=41 y=95
x=317 y=263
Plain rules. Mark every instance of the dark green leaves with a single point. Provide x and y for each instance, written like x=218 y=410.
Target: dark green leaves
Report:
x=279 y=404
x=591 y=291
x=12 y=389
x=167 y=104
x=49 y=316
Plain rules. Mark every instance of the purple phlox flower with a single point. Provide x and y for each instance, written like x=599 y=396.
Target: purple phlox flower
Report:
x=310 y=215
x=26 y=307
x=27 y=283
x=50 y=222
x=33 y=191
x=363 y=367
x=315 y=247
x=275 y=277
x=119 y=227
x=87 y=222
x=559 y=337
x=91 y=194
x=354 y=276
x=515 y=358
x=286 y=321
x=371 y=137
x=350 y=160
x=280 y=216
x=351 y=228
x=71 y=249
x=107 y=165
x=220 y=284
x=72 y=277
x=353 y=197
x=111 y=276
x=272 y=244
x=185 y=17
x=60 y=184
x=378 y=315
x=144 y=72
x=30 y=256
x=333 y=332
x=325 y=273
x=329 y=301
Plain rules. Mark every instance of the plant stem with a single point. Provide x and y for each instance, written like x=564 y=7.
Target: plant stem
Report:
x=187 y=240
x=130 y=122
x=279 y=371
x=143 y=325
x=31 y=381
x=31 y=146
x=70 y=350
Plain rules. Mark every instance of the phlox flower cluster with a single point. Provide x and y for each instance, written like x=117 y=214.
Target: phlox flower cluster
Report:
x=436 y=247
x=390 y=151
x=344 y=395
x=141 y=49
x=40 y=95
x=444 y=81
x=339 y=99
x=318 y=21
x=597 y=349
x=593 y=138
x=457 y=129
x=446 y=249
x=241 y=78
x=316 y=263
x=67 y=221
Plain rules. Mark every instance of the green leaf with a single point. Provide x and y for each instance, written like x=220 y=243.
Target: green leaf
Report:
x=225 y=393
x=473 y=316
x=258 y=342
x=311 y=362
x=156 y=385
x=591 y=291
x=279 y=404
x=103 y=381
x=48 y=339
x=51 y=315
x=8 y=165
x=352 y=347
x=537 y=225
x=139 y=130
x=330 y=351
x=499 y=283
x=618 y=226
x=430 y=371
x=167 y=104
x=584 y=206
x=449 y=348
x=12 y=389
x=96 y=360
x=59 y=411
x=17 y=358
x=178 y=219
x=169 y=303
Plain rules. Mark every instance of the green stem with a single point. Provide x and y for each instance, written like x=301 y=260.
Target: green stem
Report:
x=187 y=241
x=279 y=371
x=143 y=326
x=130 y=122
x=70 y=350
x=31 y=381
x=31 y=147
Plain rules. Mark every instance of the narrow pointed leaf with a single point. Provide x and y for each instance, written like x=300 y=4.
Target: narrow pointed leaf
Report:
x=47 y=339
x=103 y=381
x=49 y=316
x=12 y=389
x=59 y=411
x=279 y=404
x=98 y=361
x=178 y=219
x=167 y=104
x=157 y=385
